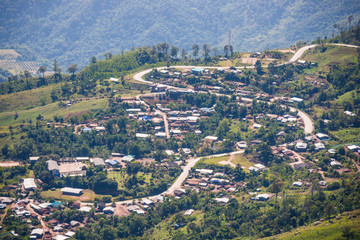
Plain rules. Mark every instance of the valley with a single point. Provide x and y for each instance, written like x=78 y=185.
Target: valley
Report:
x=185 y=149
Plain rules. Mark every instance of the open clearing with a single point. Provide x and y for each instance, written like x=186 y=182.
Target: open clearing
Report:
x=50 y=110
x=8 y=54
x=342 y=55
x=9 y=164
x=325 y=230
x=71 y=167
x=87 y=196
x=349 y=135
x=26 y=99
x=235 y=159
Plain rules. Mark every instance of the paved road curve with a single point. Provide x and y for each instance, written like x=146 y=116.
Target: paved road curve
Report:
x=308 y=123
x=179 y=181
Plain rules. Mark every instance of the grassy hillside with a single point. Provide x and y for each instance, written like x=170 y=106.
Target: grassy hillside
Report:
x=49 y=111
x=336 y=229
x=27 y=99
x=73 y=30
x=334 y=55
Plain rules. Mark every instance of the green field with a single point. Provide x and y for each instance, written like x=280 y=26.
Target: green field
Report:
x=348 y=135
x=325 y=230
x=87 y=196
x=236 y=127
x=49 y=111
x=17 y=178
x=165 y=230
x=27 y=99
x=334 y=55
x=238 y=159
x=121 y=176
x=347 y=96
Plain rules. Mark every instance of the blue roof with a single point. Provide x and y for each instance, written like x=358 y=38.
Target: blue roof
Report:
x=197 y=70
x=145 y=118
x=113 y=162
x=86 y=129
x=56 y=204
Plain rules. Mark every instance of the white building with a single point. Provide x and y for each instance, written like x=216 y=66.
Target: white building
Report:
x=71 y=191
x=189 y=212
x=29 y=184
x=301 y=146
x=204 y=171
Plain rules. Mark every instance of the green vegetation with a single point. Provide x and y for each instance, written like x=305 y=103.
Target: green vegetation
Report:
x=332 y=55
x=110 y=27
x=53 y=128
x=48 y=112
x=348 y=135
x=345 y=228
x=236 y=159
x=87 y=196
x=27 y=99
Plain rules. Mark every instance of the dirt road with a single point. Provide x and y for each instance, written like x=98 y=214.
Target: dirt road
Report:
x=9 y=164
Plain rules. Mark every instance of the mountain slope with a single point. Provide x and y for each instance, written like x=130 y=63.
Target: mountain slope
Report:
x=73 y=30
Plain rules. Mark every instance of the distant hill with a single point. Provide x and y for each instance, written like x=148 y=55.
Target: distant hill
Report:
x=73 y=31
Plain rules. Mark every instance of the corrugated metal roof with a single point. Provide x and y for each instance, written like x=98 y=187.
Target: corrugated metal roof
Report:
x=29 y=183
x=52 y=165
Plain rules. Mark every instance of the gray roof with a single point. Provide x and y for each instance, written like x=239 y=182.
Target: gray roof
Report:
x=52 y=165
x=29 y=183
x=98 y=161
x=71 y=190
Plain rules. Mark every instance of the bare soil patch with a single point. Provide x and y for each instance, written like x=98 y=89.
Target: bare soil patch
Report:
x=9 y=164
x=121 y=210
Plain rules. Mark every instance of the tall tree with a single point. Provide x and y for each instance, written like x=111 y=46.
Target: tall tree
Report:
x=215 y=51
x=258 y=67
x=72 y=69
x=55 y=67
x=265 y=154
x=93 y=59
x=195 y=48
x=27 y=74
x=206 y=52
x=223 y=128
x=42 y=70
x=350 y=18
x=108 y=55
x=183 y=54
x=276 y=187
x=174 y=52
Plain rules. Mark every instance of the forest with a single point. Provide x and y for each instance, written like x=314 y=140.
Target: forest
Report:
x=97 y=27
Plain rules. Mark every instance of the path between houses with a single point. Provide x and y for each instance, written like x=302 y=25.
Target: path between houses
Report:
x=308 y=124
x=5 y=213
x=228 y=162
x=43 y=224
x=356 y=165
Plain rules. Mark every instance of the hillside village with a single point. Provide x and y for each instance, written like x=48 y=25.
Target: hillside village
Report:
x=194 y=144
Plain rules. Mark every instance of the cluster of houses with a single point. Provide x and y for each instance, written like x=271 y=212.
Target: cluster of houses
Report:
x=318 y=141
x=74 y=166
x=166 y=77
x=300 y=183
x=354 y=148
x=31 y=212
x=218 y=183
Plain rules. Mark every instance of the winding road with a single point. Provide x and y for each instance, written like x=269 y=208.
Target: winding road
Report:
x=308 y=123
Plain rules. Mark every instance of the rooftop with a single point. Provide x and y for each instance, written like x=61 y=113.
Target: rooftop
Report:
x=29 y=183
